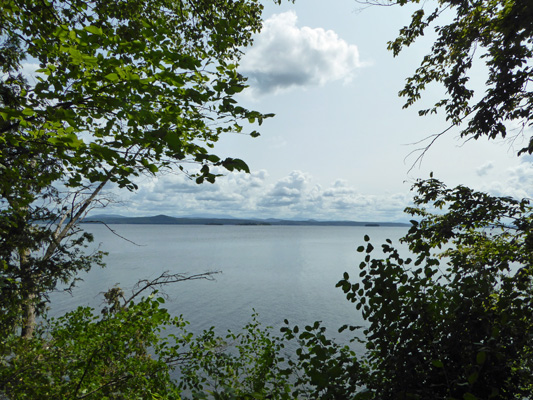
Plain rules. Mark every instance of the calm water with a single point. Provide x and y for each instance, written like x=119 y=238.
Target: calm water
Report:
x=280 y=271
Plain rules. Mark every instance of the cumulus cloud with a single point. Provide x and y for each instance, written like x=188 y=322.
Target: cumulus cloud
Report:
x=285 y=56
x=339 y=187
x=485 y=168
x=515 y=181
x=253 y=195
x=287 y=191
x=296 y=196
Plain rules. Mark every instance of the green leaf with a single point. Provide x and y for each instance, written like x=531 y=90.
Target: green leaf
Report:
x=481 y=357
x=235 y=164
x=174 y=142
x=112 y=77
x=94 y=30
x=473 y=378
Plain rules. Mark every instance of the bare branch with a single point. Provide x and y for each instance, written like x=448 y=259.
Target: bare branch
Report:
x=381 y=3
x=423 y=150
x=60 y=232
x=166 y=278
x=114 y=232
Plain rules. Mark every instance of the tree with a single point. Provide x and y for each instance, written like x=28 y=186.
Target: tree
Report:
x=133 y=348
x=455 y=321
x=496 y=33
x=122 y=89
x=121 y=352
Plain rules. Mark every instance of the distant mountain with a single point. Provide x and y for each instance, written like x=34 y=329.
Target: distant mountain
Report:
x=105 y=216
x=208 y=215
x=166 y=220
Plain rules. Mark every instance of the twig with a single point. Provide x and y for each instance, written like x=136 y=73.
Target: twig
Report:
x=165 y=278
x=113 y=232
x=424 y=150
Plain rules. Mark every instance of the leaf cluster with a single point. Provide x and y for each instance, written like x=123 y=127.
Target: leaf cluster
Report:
x=499 y=33
x=454 y=321
x=82 y=355
x=122 y=89
x=126 y=87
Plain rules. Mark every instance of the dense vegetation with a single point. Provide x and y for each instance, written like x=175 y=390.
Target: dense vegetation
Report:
x=126 y=88
x=122 y=89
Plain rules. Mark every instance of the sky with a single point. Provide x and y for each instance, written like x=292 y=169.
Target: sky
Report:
x=340 y=146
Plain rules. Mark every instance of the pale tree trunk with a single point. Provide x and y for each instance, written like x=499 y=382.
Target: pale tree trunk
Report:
x=62 y=231
x=30 y=279
x=28 y=295
x=28 y=316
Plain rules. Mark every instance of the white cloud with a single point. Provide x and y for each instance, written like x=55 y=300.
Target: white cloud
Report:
x=287 y=192
x=285 y=56
x=485 y=168
x=340 y=187
x=252 y=195
x=515 y=181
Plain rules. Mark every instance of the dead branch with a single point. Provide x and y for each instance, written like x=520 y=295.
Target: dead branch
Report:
x=166 y=278
x=423 y=150
x=61 y=232
x=113 y=231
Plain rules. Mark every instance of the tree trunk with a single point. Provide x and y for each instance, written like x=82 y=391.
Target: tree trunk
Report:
x=28 y=295
x=30 y=279
x=28 y=315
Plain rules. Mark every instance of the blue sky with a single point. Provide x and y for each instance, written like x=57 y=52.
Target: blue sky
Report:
x=340 y=146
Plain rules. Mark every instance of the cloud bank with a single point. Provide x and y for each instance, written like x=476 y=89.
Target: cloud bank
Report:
x=517 y=181
x=253 y=195
x=284 y=56
x=295 y=196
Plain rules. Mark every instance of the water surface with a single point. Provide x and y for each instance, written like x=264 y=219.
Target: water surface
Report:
x=280 y=271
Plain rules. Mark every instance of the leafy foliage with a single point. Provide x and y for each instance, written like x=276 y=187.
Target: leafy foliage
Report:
x=82 y=355
x=137 y=350
x=497 y=32
x=325 y=369
x=122 y=89
x=256 y=364
x=454 y=321
x=246 y=365
x=127 y=87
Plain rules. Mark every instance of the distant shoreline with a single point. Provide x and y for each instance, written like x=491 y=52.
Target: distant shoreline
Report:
x=166 y=220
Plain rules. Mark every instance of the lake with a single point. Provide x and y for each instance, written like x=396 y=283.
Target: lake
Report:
x=280 y=271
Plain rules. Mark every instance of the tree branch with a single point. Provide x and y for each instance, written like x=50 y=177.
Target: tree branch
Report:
x=165 y=278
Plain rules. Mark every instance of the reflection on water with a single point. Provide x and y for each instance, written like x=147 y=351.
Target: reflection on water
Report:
x=280 y=271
